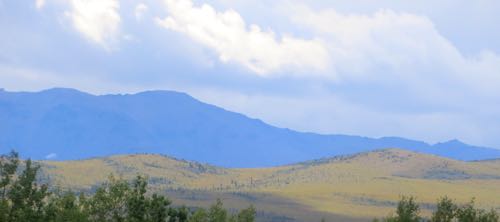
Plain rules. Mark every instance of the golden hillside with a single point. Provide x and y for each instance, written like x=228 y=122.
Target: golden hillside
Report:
x=367 y=184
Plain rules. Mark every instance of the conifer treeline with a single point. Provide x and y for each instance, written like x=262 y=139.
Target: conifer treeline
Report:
x=22 y=199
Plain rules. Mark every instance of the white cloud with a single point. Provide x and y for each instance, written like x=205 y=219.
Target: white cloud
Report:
x=98 y=20
x=389 y=47
x=39 y=3
x=139 y=11
x=51 y=156
x=360 y=42
x=228 y=34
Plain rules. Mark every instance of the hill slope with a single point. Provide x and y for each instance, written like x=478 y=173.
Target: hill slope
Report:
x=68 y=124
x=366 y=184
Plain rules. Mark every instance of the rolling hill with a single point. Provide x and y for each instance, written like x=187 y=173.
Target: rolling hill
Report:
x=354 y=187
x=66 y=124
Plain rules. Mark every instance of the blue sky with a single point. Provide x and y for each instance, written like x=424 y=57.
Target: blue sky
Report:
x=422 y=69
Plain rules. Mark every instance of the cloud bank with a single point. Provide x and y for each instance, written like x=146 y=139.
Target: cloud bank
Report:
x=397 y=48
x=234 y=41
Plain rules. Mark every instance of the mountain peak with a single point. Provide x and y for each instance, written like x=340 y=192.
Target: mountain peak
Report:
x=61 y=90
x=162 y=93
x=454 y=142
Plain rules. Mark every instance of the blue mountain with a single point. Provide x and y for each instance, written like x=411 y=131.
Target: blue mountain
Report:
x=69 y=124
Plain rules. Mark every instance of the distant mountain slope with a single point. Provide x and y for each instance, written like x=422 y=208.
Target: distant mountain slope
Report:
x=69 y=124
x=169 y=172
x=366 y=184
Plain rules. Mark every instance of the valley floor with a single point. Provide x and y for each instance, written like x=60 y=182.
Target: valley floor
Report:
x=351 y=188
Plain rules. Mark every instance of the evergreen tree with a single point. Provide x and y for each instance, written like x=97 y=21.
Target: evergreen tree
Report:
x=8 y=168
x=217 y=213
x=407 y=211
x=247 y=215
x=158 y=208
x=66 y=207
x=468 y=213
x=445 y=212
x=199 y=215
x=137 y=203
x=109 y=202
x=26 y=197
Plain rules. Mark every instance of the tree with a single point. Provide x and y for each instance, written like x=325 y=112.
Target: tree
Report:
x=137 y=203
x=66 y=207
x=247 y=215
x=26 y=197
x=445 y=212
x=180 y=214
x=217 y=213
x=158 y=208
x=8 y=167
x=468 y=213
x=407 y=211
x=109 y=202
x=199 y=215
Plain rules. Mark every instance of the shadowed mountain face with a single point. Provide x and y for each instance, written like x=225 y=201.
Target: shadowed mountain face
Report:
x=72 y=125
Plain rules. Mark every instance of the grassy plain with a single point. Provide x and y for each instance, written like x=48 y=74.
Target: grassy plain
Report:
x=345 y=188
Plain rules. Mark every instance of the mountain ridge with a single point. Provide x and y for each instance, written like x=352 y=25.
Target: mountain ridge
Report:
x=73 y=125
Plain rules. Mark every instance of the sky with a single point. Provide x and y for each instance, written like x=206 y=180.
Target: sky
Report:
x=426 y=70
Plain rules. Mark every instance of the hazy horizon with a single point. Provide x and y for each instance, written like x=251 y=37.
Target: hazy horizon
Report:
x=375 y=69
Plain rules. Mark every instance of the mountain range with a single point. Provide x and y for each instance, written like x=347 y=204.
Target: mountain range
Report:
x=67 y=124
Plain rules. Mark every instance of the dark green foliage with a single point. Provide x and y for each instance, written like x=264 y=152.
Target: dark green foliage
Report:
x=8 y=167
x=157 y=209
x=468 y=213
x=199 y=215
x=66 y=207
x=23 y=200
x=446 y=211
x=109 y=202
x=247 y=215
x=217 y=213
x=137 y=203
x=27 y=199
x=407 y=211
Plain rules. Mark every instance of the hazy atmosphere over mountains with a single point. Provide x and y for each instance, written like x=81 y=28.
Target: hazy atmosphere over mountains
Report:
x=422 y=69
x=249 y=110
x=69 y=124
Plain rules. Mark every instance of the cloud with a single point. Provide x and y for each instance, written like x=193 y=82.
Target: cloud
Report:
x=361 y=42
x=98 y=20
x=398 y=48
x=139 y=11
x=51 y=156
x=234 y=41
x=39 y=4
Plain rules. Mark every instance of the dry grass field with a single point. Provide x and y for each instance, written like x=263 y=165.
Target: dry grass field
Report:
x=360 y=186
